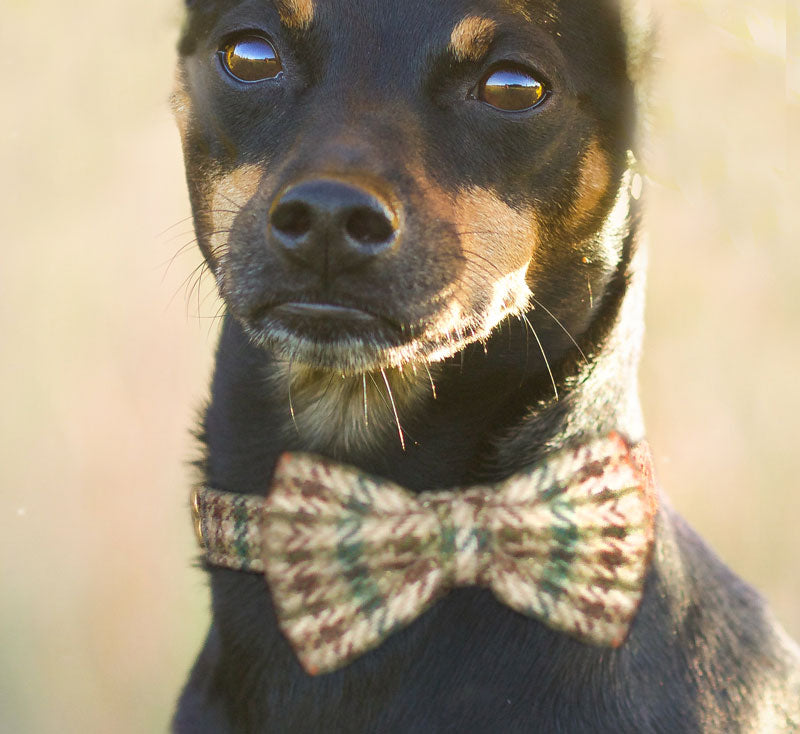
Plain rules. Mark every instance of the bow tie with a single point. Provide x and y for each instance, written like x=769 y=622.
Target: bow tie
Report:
x=351 y=558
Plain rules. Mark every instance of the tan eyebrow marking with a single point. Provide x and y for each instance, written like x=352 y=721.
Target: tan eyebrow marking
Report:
x=296 y=14
x=471 y=37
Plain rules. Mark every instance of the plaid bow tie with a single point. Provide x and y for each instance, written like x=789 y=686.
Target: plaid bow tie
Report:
x=350 y=558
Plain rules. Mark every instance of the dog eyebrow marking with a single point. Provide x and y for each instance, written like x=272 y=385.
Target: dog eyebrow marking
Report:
x=471 y=38
x=295 y=14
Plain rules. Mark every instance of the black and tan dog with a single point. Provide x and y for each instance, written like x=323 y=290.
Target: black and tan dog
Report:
x=423 y=219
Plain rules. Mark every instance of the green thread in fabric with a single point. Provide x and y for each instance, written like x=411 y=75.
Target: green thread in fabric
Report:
x=240 y=544
x=350 y=554
x=483 y=539
x=566 y=536
x=549 y=494
x=358 y=506
x=448 y=542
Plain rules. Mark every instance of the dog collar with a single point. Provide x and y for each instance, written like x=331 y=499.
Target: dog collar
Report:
x=351 y=558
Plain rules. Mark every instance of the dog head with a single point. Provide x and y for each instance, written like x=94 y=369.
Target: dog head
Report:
x=376 y=185
x=379 y=183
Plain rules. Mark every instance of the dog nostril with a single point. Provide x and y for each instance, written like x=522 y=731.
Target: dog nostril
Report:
x=293 y=218
x=369 y=227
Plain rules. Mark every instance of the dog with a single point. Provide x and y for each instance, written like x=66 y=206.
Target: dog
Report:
x=424 y=221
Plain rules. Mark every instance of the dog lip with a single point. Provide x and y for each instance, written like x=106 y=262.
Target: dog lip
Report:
x=323 y=311
x=327 y=333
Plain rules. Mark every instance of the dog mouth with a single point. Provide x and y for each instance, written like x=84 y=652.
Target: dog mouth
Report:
x=321 y=320
x=351 y=338
x=330 y=313
x=327 y=334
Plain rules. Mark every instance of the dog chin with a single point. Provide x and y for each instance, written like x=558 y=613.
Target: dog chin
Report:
x=348 y=355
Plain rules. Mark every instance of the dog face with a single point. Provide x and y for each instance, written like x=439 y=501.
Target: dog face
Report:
x=377 y=184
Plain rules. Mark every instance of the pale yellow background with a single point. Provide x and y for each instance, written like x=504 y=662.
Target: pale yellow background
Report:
x=106 y=351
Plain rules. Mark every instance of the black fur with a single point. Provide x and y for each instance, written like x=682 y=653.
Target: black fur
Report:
x=370 y=93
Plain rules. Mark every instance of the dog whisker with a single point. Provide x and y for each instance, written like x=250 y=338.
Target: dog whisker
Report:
x=167 y=264
x=188 y=281
x=238 y=207
x=544 y=356
x=216 y=316
x=172 y=226
x=563 y=328
x=212 y=320
x=364 y=392
x=394 y=409
x=467 y=255
x=327 y=388
x=192 y=286
x=180 y=235
x=197 y=289
x=483 y=259
x=194 y=240
x=291 y=402
x=223 y=211
x=527 y=345
x=430 y=378
x=378 y=390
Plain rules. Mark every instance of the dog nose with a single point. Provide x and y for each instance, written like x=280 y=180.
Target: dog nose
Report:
x=330 y=225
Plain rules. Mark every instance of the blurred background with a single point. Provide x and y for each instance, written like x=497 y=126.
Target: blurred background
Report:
x=106 y=345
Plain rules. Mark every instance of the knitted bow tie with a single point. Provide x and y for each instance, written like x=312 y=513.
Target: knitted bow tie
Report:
x=351 y=558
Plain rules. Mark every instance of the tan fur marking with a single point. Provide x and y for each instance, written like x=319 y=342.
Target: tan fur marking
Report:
x=498 y=243
x=505 y=237
x=296 y=14
x=593 y=183
x=227 y=196
x=233 y=190
x=471 y=38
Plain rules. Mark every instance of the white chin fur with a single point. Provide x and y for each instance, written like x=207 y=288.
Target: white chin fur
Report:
x=449 y=333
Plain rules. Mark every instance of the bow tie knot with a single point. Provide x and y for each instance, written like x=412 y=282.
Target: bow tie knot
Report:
x=465 y=543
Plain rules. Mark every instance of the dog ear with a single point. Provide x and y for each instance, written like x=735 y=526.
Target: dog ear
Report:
x=198 y=18
x=639 y=26
x=638 y=23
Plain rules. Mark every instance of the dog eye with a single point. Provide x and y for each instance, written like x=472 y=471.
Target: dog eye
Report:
x=511 y=89
x=250 y=58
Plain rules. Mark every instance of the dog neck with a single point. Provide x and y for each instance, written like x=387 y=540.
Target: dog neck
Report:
x=602 y=396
